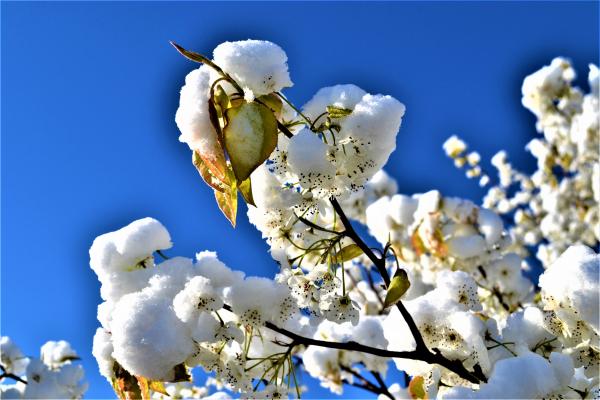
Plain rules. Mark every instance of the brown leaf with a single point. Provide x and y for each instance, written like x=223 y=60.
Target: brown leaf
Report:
x=144 y=387
x=227 y=202
x=207 y=174
x=158 y=387
x=417 y=243
x=125 y=385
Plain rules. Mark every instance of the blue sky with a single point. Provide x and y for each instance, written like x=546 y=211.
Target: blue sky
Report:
x=89 y=92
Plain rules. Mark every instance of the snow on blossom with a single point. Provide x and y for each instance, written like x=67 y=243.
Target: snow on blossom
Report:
x=259 y=65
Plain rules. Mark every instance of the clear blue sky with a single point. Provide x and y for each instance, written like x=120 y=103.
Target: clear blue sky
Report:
x=89 y=93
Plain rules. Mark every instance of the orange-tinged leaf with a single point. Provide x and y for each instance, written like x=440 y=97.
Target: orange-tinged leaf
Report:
x=124 y=384
x=417 y=243
x=158 y=387
x=416 y=388
x=206 y=173
x=144 y=387
x=440 y=248
x=227 y=202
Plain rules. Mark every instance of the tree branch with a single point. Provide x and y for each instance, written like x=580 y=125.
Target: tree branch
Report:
x=11 y=376
x=421 y=351
x=418 y=354
x=366 y=384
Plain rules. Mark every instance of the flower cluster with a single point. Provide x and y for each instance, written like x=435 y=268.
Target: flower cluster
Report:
x=557 y=205
x=53 y=375
x=160 y=319
x=432 y=234
x=445 y=297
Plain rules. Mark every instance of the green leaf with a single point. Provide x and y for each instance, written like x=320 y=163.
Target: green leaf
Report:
x=338 y=112
x=416 y=388
x=245 y=188
x=272 y=102
x=250 y=137
x=348 y=253
x=398 y=286
x=221 y=99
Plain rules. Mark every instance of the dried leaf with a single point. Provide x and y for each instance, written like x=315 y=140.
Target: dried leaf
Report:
x=158 y=387
x=417 y=243
x=398 y=286
x=348 y=253
x=207 y=174
x=250 y=137
x=416 y=388
x=227 y=202
x=144 y=387
x=125 y=385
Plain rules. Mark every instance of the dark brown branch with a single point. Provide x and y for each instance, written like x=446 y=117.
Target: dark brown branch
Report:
x=382 y=384
x=11 y=376
x=421 y=351
x=380 y=265
x=365 y=383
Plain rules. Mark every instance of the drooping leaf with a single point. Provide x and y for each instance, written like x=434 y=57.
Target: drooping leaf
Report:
x=349 y=252
x=206 y=173
x=398 y=286
x=227 y=201
x=148 y=386
x=158 y=387
x=338 y=112
x=144 y=387
x=245 y=188
x=250 y=137
x=416 y=388
x=124 y=384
